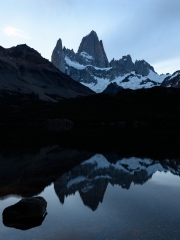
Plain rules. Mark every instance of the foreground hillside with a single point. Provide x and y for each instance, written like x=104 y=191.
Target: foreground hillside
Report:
x=23 y=71
x=144 y=122
x=155 y=107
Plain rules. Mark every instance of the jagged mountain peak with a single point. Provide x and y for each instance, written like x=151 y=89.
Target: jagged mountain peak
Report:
x=59 y=43
x=143 y=68
x=124 y=58
x=57 y=57
x=92 y=33
x=91 y=45
x=128 y=56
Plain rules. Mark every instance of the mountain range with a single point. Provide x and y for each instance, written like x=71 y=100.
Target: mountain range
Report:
x=24 y=72
x=90 y=66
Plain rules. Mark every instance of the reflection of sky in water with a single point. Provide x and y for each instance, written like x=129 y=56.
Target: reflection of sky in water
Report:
x=166 y=179
x=148 y=211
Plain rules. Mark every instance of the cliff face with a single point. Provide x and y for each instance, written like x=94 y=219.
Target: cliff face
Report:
x=91 y=67
x=58 y=56
x=92 y=51
x=24 y=71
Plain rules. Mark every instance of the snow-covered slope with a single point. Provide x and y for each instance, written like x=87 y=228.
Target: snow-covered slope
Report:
x=130 y=80
x=90 y=67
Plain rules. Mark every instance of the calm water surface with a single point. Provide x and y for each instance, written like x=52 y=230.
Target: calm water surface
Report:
x=103 y=198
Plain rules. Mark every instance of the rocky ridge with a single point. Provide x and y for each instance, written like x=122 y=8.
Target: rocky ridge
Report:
x=91 y=67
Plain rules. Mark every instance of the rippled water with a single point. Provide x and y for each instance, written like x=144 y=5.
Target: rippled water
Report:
x=104 y=197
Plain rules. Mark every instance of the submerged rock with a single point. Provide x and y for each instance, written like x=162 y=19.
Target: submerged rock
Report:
x=58 y=124
x=26 y=209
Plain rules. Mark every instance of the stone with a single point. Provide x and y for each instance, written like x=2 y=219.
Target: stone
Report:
x=26 y=209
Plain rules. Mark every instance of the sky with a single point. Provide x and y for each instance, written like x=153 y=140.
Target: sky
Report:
x=145 y=29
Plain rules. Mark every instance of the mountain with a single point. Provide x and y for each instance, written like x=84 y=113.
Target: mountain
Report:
x=91 y=67
x=92 y=177
x=113 y=88
x=24 y=71
x=91 y=46
x=172 y=81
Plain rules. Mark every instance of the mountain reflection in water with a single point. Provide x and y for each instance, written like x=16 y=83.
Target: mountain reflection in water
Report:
x=71 y=170
x=92 y=177
x=27 y=172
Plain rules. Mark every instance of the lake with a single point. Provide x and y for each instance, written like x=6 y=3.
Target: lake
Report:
x=93 y=195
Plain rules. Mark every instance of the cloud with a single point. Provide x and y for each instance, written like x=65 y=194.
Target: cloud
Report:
x=14 y=32
x=171 y=64
x=147 y=30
